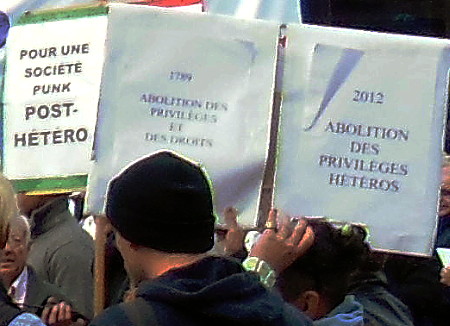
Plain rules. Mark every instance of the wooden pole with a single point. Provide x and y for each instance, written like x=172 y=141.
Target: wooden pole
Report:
x=266 y=197
x=101 y=232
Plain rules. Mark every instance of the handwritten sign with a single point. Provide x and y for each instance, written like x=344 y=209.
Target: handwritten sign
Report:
x=199 y=85
x=361 y=130
x=52 y=84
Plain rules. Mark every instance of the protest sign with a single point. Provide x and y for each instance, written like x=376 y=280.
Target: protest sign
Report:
x=52 y=83
x=361 y=131
x=197 y=84
x=281 y=11
x=444 y=256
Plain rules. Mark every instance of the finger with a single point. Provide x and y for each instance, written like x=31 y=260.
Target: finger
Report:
x=51 y=301
x=299 y=232
x=53 y=317
x=61 y=312
x=306 y=241
x=271 y=222
x=45 y=314
x=230 y=217
x=285 y=227
x=66 y=312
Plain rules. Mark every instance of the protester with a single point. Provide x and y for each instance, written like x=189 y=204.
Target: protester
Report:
x=318 y=282
x=162 y=213
x=415 y=280
x=24 y=286
x=381 y=307
x=310 y=282
x=10 y=314
x=62 y=253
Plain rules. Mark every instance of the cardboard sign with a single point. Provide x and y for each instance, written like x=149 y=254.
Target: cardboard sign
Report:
x=197 y=84
x=361 y=130
x=52 y=84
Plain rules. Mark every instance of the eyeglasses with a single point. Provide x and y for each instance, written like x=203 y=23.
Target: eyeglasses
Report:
x=15 y=241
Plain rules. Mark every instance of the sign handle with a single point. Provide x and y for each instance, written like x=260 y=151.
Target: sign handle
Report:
x=101 y=231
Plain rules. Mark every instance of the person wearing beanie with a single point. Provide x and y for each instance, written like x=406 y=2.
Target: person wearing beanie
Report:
x=161 y=211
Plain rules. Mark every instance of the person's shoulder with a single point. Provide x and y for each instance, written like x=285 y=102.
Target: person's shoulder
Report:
x=39 y=290
x=132 y=313
x=113 y=315
x=293 y=317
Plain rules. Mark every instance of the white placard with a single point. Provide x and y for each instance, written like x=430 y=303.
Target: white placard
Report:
x=200 y=85
x=361 y=132
x=444 y=256
x=52 y=84
x=282 y=11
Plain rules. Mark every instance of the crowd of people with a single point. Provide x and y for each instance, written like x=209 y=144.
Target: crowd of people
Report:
x=170 y=265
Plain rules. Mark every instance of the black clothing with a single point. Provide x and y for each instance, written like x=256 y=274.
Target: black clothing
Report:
x=8 y=310
x=164 y=202
x=213 y=291
x=381 y=308
x=38 y=292
x=415 y=280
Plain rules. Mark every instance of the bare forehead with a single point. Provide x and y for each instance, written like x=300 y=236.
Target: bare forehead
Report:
x=18 y=226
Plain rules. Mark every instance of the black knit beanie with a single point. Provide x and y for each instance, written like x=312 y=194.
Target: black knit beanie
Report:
x=164 y=202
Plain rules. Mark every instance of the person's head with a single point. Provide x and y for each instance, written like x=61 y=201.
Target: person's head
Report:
x=14 y=256
x=8 y=208
x=161 y=203
x=318 y=281
x=27 y=203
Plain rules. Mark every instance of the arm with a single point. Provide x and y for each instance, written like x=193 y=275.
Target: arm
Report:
x=71 y=268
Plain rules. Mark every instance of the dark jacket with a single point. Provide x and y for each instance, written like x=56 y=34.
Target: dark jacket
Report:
x=8 y=310
x=214 y=291
x=415 y=280
x=62 y=253
x=348 y=313
x=38 y=292
x=11 y=315
x=381 y=308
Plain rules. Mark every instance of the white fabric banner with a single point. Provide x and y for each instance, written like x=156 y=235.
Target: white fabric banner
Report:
x=361 y=132
x=200 y=85
x=51 y=94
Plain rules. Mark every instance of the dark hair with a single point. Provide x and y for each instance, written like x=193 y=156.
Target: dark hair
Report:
x=337 y=252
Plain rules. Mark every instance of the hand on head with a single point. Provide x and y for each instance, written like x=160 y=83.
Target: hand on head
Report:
x=282 y=242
